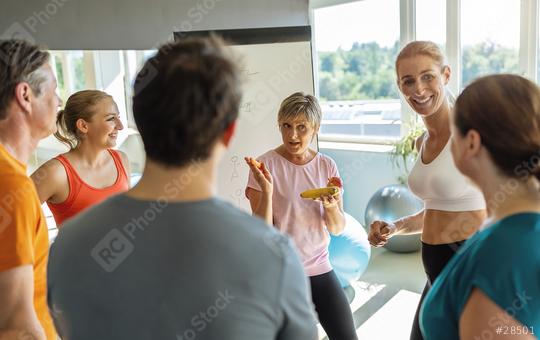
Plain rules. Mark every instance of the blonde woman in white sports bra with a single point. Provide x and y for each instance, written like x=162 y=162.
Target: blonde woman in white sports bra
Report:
x=454 y=208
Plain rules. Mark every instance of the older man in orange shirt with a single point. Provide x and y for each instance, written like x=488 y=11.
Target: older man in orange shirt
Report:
x=28 y=106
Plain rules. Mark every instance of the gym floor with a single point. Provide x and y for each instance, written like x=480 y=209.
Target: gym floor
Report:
x=385 y=298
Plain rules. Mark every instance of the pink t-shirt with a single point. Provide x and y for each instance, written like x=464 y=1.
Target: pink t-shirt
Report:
x=303 y=219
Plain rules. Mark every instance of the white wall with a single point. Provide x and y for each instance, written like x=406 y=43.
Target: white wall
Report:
x=137 y=24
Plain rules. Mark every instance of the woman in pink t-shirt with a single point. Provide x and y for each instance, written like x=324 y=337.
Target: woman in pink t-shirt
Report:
x=274 y=194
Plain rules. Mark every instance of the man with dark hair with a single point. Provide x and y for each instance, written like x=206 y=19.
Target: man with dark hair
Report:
x=28 y=106
x=169 y=260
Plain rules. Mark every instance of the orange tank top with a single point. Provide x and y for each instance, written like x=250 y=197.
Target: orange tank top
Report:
x=81 y=195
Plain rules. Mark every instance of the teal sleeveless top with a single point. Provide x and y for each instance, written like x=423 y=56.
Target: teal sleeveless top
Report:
x=503 y=261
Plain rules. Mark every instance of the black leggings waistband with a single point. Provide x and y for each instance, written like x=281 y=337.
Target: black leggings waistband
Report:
x=436 y=256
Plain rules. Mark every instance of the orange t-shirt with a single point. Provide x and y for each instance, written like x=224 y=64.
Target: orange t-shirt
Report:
x=23 y=232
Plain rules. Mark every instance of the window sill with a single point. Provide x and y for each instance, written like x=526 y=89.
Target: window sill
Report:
x=348 y=146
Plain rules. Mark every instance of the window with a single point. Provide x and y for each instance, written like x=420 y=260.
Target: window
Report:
x=356 y=49
x=489 y=38
x=110 y=71
x=70 y=71
x=133 y=61
x=479 y=37
x=431 y=21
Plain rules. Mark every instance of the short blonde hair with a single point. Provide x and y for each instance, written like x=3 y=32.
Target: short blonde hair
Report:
x=300 y=104
x=426 y=48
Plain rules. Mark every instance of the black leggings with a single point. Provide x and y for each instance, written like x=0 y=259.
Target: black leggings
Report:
x=332 y=307
x=435 y=257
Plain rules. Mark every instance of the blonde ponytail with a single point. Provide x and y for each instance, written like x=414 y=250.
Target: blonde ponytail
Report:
x=62 y=132
x=79 y=105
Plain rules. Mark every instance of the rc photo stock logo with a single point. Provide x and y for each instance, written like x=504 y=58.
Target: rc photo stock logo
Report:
x=202 y=319
x=5 y=219
x=24 y=29
x=145 y=76
x=18 y=32
x=112 y=250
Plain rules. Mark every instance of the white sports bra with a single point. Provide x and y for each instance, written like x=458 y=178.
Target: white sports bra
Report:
x=441 y=186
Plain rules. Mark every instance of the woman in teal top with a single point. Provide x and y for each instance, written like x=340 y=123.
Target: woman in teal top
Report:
x=491 y=287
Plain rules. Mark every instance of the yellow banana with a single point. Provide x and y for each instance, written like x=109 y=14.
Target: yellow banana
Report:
x=316 y=193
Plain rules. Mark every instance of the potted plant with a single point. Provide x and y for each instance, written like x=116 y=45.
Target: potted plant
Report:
x=404 y=151
x=396 y=200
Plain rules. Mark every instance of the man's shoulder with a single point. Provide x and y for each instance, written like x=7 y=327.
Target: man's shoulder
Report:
x=10 y=180
x=214 y=218
x=90 y=225
x=253 y=231
x=17 y=188
x=234 y=217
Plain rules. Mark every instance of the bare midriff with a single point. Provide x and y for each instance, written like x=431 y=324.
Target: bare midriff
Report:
x=441 y=227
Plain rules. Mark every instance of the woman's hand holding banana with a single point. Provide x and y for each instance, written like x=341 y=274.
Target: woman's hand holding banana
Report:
x=329 y=195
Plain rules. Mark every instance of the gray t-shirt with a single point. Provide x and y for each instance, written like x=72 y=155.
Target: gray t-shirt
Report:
x=132 y=269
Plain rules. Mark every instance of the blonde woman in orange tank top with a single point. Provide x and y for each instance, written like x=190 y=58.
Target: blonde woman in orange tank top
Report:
x=91 y=170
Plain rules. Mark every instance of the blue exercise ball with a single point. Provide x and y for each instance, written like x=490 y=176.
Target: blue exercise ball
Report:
x=349 y=251
x=390 y=203
x=135 y=178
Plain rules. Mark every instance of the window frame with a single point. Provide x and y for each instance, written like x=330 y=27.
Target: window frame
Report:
x=93 y=65
x=528 y=51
